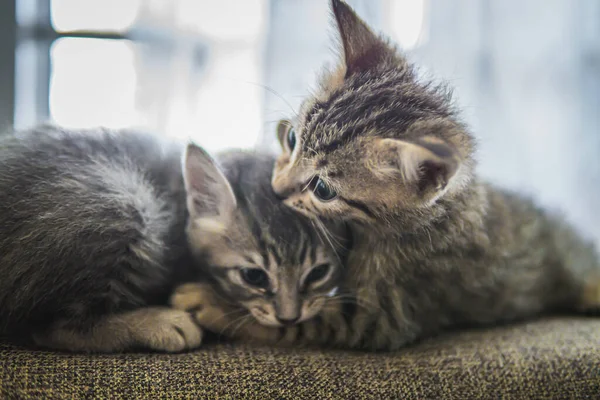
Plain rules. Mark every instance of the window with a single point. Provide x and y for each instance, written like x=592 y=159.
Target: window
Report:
x=188 y=68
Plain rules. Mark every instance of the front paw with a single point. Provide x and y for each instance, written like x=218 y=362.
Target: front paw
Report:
x=208 y=310
x=166 y=330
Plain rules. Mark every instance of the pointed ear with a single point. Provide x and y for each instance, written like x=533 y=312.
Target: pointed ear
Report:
x=427 y=164
x=283 y=127
x=208 y=191
x=363 y=49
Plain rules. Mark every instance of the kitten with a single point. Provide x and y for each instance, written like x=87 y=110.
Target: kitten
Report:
x=92 y=240
x=268 y=264
x=434 y=246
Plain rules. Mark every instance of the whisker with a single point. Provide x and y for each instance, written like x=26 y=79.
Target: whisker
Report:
x=222 y=331
x=243 y=322
x=333 y=242
x=272 y=91
x=307 y=185
x=225 y=316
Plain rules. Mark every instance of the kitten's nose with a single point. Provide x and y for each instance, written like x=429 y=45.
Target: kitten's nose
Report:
x=282 y=196
x=283 y=192
x=287 y=321
x=282 y=189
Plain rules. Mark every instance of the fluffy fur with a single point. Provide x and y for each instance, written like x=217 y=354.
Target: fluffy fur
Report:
x=92 y=240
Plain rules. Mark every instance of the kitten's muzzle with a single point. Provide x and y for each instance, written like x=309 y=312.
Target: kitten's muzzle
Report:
x=283 y=186
x=282 y=191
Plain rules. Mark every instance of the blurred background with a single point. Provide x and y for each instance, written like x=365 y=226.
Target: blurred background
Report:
x=526 y=73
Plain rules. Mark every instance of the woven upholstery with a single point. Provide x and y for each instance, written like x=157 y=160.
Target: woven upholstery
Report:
x=555 y=358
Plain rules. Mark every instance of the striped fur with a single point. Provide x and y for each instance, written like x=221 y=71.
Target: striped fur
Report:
x=434 y=247
x=238 y=224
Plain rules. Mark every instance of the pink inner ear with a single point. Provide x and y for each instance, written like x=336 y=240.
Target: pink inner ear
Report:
x=430 y=165
x=208 y=191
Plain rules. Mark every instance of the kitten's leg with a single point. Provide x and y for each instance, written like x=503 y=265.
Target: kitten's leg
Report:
x=213 y=314
x=157 y=328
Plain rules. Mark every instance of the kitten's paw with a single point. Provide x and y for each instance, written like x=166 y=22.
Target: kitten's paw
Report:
x=201 y=302
x=192 y=297
x=165 y=329
x=216 y=315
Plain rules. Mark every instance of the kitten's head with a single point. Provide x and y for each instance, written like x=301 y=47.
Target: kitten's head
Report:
x=260 y=254
x=374 y=141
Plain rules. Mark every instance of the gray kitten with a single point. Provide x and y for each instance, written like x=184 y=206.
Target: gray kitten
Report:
x=269 y=265
x=434 y=247
x=92 y=240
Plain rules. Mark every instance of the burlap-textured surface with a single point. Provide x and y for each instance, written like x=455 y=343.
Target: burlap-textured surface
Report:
x=552 y=359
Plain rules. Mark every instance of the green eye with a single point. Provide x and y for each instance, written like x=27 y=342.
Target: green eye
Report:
x=321 y=190
x=319 y=272
x=291 y=139
x=255 y=277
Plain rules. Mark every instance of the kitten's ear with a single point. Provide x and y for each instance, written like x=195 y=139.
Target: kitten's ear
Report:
x=208 y=191
x=363 y=49
x=283 y=128
x=427 y=163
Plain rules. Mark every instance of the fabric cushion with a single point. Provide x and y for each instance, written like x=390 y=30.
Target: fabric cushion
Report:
x=552 y=358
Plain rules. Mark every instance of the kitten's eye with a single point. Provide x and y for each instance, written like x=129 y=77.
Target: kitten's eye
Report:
x=291 y=139
x=322 y=190
x=319 y=272
x=255 y=277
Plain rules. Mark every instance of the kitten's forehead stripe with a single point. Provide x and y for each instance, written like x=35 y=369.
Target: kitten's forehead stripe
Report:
x=313 y=254
x=264 y=254
x=303 y=250
x=274 y=251
x=389 y=101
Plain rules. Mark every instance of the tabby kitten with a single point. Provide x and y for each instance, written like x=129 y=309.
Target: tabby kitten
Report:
x=92 y=240
x=434 y=246
x=268 y=265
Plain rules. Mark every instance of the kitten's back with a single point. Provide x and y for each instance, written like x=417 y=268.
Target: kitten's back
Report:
x=89 y=223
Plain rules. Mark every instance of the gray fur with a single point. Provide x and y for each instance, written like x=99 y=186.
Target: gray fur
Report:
x=91 y=224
